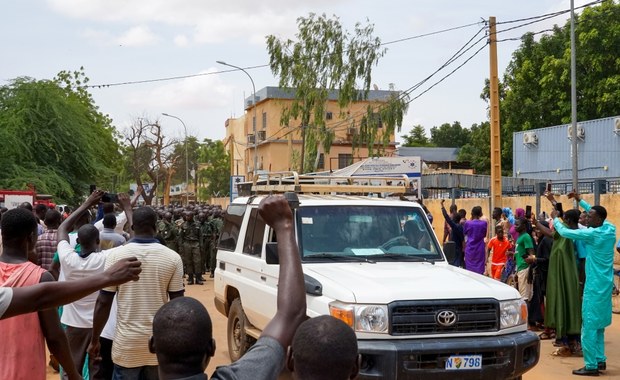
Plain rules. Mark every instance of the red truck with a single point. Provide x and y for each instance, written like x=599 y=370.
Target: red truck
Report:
x=13 y=198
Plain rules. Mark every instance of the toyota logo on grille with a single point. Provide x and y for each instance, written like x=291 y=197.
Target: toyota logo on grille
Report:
x=446 y=318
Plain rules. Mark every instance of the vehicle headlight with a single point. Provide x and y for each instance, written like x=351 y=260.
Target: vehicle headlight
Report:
x=362 y=318
x=512 y=313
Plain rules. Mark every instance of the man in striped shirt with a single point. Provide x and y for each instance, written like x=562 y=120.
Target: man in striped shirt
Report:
x=161 y=279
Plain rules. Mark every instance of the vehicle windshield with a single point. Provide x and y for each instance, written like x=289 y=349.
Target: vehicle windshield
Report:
x=376 y=233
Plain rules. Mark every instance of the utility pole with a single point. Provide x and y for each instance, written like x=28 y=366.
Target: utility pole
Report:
x=496 y=147
x=573 y=101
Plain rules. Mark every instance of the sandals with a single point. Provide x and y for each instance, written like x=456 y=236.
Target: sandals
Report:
x=563 y=352
x=547 y=335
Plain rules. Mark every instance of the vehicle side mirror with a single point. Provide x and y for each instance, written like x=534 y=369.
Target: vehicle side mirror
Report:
x=271 y=251
x=449 y=250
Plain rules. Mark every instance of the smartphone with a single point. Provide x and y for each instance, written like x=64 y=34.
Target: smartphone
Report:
x=109 y=198
x=528 y=212
x=558 y=207
x=93 y=188
x=549 y=186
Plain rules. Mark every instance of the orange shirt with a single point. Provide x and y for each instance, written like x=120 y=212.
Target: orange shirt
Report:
x=22 y=347
x=499 y=249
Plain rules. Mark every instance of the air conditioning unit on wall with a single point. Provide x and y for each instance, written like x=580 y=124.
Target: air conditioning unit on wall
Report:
x=581 y=132
x=530 y=139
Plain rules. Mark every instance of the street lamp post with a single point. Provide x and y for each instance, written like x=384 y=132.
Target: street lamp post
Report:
x=186 y=158
x=253 y=106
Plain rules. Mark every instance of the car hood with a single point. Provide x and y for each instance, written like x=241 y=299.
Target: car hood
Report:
x=385 y=282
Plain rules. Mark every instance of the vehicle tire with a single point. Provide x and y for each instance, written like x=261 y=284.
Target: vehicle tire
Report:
x=238 y=341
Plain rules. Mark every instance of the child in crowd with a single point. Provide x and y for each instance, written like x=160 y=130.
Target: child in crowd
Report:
x=500 y=247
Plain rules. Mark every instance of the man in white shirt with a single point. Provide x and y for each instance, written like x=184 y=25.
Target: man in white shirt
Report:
x=78 y=316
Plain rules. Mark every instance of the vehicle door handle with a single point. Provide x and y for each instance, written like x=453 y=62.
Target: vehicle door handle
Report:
x=264 y=278
x=239 y=270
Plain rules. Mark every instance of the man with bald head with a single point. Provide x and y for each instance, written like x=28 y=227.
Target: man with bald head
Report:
x=78 y=316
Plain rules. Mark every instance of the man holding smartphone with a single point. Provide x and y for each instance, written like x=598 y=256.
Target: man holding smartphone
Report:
x=599 y=238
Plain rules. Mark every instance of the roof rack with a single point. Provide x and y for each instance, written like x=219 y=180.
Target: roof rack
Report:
x=280 y=182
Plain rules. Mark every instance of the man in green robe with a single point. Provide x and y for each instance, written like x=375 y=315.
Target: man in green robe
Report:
x=600 y=238
x=563 y=298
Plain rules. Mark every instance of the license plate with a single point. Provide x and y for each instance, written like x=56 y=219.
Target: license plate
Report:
x=457 y=362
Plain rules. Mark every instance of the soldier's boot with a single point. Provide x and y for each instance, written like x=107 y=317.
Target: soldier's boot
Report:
x=199 y=280
x=190 y=279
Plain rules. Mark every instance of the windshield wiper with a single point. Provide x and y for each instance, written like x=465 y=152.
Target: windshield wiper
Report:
x=334 y=257
x=406 y=257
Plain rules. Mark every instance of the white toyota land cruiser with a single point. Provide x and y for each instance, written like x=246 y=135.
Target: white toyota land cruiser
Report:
x=377 y=265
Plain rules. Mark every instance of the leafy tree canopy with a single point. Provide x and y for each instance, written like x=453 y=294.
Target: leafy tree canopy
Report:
x=417 y=137
x=55 y=137
x=450 y=135
x=215 y=174
x=326 y=58
x=535 y=91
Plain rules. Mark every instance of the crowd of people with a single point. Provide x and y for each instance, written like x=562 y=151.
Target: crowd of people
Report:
x=562 y=264
x=140 y=325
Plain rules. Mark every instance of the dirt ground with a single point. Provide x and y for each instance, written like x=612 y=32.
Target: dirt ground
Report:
x=548 y=368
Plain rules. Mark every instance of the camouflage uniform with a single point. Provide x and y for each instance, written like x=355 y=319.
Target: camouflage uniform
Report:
x=205 y=244
x=216 y=228
x=189 y=236
x=168 y=231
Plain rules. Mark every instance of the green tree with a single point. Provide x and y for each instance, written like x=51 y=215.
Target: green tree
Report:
x=477 y=151
x=450 y=135
x=535 y=90
x=327 y=60
x=215 y=175
x=55 y=138
x=416 y=137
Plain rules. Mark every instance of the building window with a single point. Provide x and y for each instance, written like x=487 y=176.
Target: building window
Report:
x=328 y=116
x=344 y=160
x=264 y=120
x=321 y=164
x=376 y=118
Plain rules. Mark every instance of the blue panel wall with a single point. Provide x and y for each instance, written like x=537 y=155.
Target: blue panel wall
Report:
x=550 y=159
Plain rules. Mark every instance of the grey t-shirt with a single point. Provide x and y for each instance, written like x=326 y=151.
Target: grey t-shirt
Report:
x=6 y=295
x=264 y=360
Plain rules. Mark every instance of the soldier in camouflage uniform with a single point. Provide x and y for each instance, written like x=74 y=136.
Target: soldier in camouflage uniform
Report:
x=216 y=224
x=168 y=231
x=189 y=236
x=205 y=232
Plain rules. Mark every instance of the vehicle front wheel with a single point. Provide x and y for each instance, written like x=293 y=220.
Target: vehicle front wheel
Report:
x=238 y=341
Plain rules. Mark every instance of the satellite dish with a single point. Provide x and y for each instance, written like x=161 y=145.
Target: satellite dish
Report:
x=375 y=87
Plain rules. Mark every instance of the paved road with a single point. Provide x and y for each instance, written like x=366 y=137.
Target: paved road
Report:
x=549 y=367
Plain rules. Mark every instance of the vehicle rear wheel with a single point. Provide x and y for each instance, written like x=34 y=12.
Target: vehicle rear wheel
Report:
x=238 y=341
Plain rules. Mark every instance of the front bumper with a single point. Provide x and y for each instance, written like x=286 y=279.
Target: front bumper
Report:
x=503 y=357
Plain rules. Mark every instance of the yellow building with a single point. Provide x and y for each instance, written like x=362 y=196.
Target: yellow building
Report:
x=275 y=147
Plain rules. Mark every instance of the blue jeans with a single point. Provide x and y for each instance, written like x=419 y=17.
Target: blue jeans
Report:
x=148 y=372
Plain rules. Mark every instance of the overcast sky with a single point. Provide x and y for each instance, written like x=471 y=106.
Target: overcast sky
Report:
x=119 y=41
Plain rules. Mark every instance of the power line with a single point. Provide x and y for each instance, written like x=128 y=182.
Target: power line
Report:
x=171 y=78
x=267 y=65
x=432 y=33
x=553 y=14
x=459 y=53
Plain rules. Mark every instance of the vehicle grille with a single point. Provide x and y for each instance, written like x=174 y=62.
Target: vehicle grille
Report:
x=420 y=317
